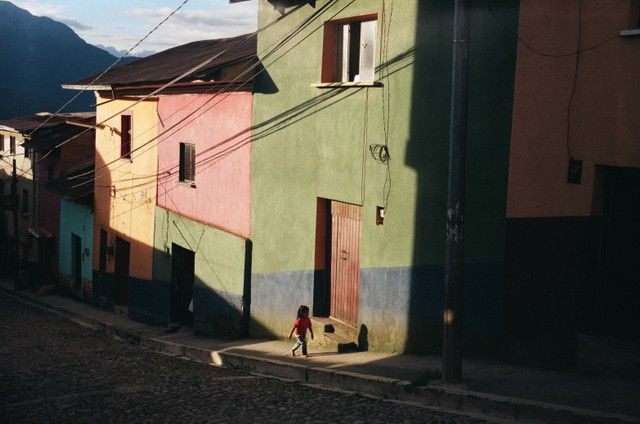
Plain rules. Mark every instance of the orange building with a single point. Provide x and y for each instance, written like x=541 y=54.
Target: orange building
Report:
x=573 y=206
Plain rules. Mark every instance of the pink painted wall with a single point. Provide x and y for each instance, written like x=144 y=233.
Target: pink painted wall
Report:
x=219 y=126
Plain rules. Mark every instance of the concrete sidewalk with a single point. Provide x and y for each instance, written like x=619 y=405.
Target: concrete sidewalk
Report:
x=491 y=390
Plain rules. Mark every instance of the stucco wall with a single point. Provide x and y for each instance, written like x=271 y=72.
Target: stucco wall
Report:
x=312 y=143
x=220 y=128
x=75 y=219
x=125 y=189
x=220 y=275
x=589 y=113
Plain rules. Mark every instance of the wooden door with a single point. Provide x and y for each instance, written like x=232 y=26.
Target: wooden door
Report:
x=345 y=261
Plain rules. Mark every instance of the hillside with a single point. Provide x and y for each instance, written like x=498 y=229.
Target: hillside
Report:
x=37 y=54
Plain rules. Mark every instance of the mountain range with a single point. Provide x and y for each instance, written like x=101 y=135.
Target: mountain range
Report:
x=37 y=55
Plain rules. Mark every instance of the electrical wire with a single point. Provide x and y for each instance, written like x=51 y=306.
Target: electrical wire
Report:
x=544 y=54
x=172 y=82
x=110 y=67
x=379 y=152
x=223 y=90
x=575 y=81
x=277 y=47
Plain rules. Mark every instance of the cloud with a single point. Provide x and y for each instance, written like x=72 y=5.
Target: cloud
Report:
x=191 y=25
x=53 y=11
x=111 y=24
x=70 y=22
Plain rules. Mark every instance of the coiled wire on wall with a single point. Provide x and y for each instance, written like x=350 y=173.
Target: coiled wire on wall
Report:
x=380 y=153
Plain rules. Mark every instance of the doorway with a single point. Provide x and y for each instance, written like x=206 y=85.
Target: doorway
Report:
x=76 y=263
x=123 y=249
x=182 y=279
x=618 y=292
x=102 y=263
x=346 y=223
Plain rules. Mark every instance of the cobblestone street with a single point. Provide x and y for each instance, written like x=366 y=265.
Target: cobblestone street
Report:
x=53 y=370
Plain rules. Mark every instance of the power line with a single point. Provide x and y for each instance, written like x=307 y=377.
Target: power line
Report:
x=279 y=44
x=544 y=54
x=111 y=66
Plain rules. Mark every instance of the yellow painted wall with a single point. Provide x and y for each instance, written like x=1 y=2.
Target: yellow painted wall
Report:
x=125 y=189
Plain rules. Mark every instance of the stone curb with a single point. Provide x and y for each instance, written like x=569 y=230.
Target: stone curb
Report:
x=446 y=399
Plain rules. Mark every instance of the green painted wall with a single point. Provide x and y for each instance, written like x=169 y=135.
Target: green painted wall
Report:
x=312 y=143
x=219 y=256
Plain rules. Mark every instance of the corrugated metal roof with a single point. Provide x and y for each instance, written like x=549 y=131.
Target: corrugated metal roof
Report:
x=75 y=183
x=47 y=139
x=26 y=124
x=49 y=132
x=165 y=66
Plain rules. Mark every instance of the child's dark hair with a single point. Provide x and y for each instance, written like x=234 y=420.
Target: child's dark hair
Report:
x=301 y=310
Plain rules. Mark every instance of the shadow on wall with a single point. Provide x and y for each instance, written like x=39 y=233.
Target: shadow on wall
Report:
x=490 y=100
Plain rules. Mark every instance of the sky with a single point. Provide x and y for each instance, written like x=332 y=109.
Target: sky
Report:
x=122 y=23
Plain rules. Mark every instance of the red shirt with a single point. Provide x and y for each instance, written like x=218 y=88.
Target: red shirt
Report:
x=301 y=326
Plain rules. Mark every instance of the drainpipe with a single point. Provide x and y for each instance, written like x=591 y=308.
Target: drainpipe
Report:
x=454 y=260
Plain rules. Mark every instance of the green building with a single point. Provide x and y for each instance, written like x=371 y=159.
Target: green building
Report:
x=349 y=168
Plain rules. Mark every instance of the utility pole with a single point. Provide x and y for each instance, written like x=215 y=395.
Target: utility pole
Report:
x=454 y=260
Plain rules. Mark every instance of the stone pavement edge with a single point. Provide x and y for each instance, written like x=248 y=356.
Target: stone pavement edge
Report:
x=491 y=390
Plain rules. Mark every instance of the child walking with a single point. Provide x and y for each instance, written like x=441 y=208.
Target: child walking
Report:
x=300 y=327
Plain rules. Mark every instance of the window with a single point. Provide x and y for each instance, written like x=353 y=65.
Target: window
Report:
x=187 y=162
x=12 y=145
x=125 y=136
x=1 y=143
x=27 y=153
x=25 y=202
x=349 y=50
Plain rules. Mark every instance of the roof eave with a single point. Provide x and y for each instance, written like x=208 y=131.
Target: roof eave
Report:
x=97 y=87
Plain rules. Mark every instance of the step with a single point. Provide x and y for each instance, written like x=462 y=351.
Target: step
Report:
x=609 y=356
x=336 y=335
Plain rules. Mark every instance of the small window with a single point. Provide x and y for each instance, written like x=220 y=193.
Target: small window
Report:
x=27 y=153
x=125 y=137
x=379 y=216
x=25 y=202
x=349 y=50
x=1 y=143
x=187 y=162
x=12 y=145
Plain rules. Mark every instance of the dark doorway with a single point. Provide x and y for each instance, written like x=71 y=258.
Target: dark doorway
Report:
x=182 y=278
x=618 y=292
x=102 y=264
x=121 y=271
x=321 y=274
x=76 y=262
